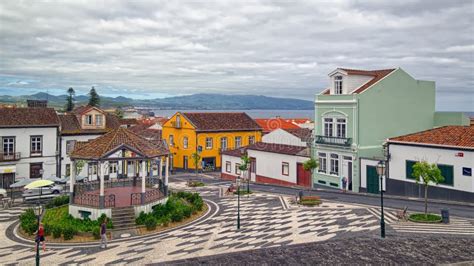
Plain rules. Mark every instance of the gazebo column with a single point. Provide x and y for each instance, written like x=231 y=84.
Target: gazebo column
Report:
x=101 y=176
x=166 y=175
x=143 y=174
x=72 y=181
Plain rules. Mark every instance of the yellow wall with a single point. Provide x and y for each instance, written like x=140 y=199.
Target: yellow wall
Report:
x=199 y=139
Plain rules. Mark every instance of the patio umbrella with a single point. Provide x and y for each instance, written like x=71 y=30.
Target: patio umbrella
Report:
x=21 y=183
x=39 y=184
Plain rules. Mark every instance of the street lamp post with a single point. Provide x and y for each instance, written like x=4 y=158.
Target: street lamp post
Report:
x=38 y=211
x=238 y=202
x=381 y=172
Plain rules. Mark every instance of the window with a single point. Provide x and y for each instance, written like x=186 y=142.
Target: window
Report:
x=334 y=164
x=341 y=127
x=92 y=168
x=208 y=143
x=185 y=142
x=35 y=170
x=409 y=169
x=8 y=145
x=223 y=143
x=447 y=172
x=98 y=120
x=88 y=119
x=328 y=127
x=228 y=167
x=70 y=145
x=35 y=148
x=68 y=169
x=238 y=142
x=237 y=170
x=171 y=140
x=113 y=167
x=285 y=169
x=338 y=85
x=178 y=121
x=251 y=140
x=322 y=162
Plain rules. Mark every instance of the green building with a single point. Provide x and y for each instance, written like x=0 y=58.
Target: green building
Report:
x=359 y=111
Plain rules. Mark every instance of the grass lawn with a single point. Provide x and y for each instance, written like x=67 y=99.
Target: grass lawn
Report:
x=425 y=218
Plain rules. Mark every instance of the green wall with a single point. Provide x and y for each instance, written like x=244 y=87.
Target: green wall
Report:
x=451 y=118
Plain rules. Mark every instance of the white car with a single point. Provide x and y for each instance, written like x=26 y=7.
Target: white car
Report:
x=53 y=189
x=3 y=193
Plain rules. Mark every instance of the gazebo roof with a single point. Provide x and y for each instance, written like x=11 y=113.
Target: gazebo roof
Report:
x=115 y=140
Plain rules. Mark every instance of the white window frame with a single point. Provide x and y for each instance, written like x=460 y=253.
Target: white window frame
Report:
x=224 y=143
x=238 y=143
x=171 y=139
x=323 y=160
x=185 y=142
x=334 y=164
x=228 y=166
x=251 y=140
x=113 y=167
x=178 y=121
x=237 y=170
x=341 y=127
x=89 y=120
x=285 y=168
x=99 y=120
x=7 y=143
x=70 y=146
x=338 y=85
x=209 y=142
x=36 y=145
x=328 y=126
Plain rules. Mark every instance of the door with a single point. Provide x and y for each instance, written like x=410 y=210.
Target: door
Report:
x=347 y=171
x=6 y=180
x=253 y=169
x=372 y=180
x=349 y=175
x=35 y=170
x=185 y=162
x=303 y=177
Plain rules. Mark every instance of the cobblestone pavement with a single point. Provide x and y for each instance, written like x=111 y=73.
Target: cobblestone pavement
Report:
x=267 y=220
x=419 y=250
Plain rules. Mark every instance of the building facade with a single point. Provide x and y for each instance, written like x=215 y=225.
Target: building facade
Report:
x=30 y=149
x=359 y=111
x=207 y=134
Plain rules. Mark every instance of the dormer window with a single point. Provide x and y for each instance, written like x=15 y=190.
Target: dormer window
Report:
x=98 y=120
x=89 y=120
x=338 y=85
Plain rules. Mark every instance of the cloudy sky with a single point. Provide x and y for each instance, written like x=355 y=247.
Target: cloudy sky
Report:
x=147 y=49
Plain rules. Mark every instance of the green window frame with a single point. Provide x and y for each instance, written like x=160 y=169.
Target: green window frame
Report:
x=447 y=171
x=409 y=169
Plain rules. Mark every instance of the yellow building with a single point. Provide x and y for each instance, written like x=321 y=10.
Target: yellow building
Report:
x=207 y=134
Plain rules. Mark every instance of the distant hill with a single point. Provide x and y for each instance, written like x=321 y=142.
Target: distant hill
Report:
x=201 y=101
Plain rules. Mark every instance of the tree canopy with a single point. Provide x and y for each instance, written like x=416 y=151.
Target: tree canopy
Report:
x=94 y=99
x=70 y=100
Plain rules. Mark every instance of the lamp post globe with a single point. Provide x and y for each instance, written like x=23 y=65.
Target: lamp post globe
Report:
x=381 y=173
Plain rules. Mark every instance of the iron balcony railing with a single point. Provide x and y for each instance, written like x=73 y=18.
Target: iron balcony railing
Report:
x=10 y=156
x=333 y=140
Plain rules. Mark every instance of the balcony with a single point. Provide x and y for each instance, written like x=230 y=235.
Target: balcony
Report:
x=11 y=156
x=346 y=142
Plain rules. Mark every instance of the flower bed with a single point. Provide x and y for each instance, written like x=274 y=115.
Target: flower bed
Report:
x=58 y=222
x=195 y=184
x=424 y=218
x=310 y=201
x=180 y=206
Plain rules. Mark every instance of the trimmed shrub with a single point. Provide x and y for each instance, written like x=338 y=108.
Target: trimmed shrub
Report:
x=29 y=221
x=69 y=232
x=57 y=202
x=165 y=220
x=150 y=222
x=140 y=220
x=47 y=229
x=56 y=230
x=96 y=232
x=177 y=215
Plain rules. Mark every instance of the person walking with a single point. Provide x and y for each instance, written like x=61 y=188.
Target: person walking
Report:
x=103 y=234
x=344 y=184
x=40 y=237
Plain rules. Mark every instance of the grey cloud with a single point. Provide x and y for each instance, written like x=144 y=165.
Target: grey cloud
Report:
x=281 y=49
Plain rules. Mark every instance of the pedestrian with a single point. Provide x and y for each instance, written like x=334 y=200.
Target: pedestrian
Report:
x=103 y=234
x=344 y=184
x=40 y=237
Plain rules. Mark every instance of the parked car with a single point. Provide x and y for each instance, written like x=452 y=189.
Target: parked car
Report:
x=3 y=193
x=43 y=191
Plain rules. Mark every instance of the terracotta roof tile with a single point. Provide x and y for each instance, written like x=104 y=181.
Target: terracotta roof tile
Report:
x=103 y=145
x=454 y=136
x=70 y=124
x=269 y=147
x=270 y=124
x=222 y=121
x=28 y=117
x=303 y=133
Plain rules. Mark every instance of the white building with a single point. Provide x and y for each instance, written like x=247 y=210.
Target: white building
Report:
x=450 y=147
x=30 y=147
x=296 y=137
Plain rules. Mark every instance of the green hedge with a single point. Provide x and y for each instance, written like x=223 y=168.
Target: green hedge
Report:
x=57 y=221
x=57 y=202
x=179 y=206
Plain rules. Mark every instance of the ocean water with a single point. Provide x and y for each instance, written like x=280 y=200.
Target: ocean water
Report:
x=251 y=113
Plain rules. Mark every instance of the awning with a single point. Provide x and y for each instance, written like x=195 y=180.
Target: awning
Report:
x=7 y=169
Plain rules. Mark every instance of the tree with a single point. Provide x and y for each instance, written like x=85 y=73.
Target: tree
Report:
x=94 y=99
x=70 y=100
x=196 y=157
x=79 y=166
x=244 y=167
x=310 y=165
x=119 y=112
x=427 y=173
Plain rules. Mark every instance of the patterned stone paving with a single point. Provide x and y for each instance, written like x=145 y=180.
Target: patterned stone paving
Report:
x=267 y=220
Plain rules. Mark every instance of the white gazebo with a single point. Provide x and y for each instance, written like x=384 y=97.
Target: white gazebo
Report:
x=124 y=164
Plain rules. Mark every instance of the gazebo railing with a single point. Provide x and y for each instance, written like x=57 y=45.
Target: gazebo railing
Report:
x=93 y=200
x=150 y=196
x=111 y=183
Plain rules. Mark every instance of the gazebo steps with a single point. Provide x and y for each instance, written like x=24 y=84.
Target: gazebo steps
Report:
x=123 y=218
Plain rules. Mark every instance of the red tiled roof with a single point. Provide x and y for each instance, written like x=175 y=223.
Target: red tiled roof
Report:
x=85 y=108
x=453 y=136
x=298 y=120
x=28 y=117
x=146 y=132
x=270 y=124
x=303 y=133
x=236 y=152
x=70 y=124
x=222 y=121
x=100 y=147
x=128 y=121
